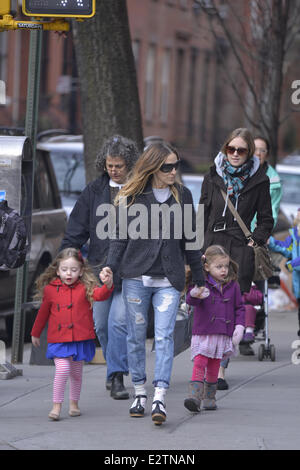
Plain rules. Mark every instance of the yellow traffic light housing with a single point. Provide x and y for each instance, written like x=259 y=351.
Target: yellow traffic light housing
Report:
x=58 y=8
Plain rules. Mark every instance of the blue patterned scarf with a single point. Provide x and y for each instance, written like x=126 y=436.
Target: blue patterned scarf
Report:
x=235 y=178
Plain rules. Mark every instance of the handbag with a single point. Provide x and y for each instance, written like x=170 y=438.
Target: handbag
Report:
x=183 y=330
x=263 y=263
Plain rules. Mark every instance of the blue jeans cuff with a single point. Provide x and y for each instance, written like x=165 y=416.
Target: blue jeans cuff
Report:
x=160 y=383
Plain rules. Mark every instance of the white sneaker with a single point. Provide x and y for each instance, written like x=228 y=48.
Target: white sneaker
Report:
x=137 y=409
x=159 y=414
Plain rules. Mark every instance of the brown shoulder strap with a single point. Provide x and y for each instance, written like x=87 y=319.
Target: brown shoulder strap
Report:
x=236 y=215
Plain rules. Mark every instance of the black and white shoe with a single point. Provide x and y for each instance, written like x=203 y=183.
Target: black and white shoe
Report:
x=137 y=409
x=159 y=414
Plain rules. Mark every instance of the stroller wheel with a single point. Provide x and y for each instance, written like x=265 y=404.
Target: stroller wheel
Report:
x=261 y=352
x=272 y=352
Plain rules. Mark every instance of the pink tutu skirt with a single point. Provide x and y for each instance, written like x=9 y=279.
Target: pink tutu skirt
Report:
x=214 y=346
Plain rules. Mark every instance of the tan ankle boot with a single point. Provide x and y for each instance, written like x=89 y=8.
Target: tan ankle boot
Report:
x=193 y=402
x=209 y=396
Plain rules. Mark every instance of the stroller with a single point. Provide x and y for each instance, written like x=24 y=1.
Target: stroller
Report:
x=265 y=349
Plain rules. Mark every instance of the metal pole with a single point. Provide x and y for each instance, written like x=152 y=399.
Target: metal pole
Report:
x=32 y=105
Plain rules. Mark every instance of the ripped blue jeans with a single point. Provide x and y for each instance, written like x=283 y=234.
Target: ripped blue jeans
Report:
x=165 y=302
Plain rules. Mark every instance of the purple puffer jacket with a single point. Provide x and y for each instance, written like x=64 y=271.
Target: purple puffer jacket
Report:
x=220 y=312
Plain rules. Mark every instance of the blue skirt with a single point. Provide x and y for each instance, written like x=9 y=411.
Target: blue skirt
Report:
x=79 y=350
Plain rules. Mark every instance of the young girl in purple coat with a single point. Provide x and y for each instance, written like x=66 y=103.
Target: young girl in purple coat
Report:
x=219 y=319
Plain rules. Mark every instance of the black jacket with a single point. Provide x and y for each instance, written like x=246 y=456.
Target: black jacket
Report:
x=254 y=198
x=84 y=223
x=136 y=256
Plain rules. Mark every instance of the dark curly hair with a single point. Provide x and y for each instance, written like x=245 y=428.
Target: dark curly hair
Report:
x=117 y=146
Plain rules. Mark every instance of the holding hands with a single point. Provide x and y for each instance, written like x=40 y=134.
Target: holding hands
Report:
x=199 y=292
x=106 y=276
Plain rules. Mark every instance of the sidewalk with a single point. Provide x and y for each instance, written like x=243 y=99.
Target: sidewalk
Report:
x=260 y=410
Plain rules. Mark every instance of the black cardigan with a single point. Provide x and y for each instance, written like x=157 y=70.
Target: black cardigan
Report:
x=134 y=257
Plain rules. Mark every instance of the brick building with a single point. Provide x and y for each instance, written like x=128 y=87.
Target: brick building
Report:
x=184 y=94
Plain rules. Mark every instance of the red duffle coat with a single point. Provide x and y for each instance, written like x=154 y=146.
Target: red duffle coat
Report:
x=68 y=312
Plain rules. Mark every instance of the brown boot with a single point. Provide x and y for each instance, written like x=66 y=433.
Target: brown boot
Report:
x=193 y=402
x=209 y=396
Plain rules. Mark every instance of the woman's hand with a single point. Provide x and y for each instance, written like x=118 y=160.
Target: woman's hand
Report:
x=35 y=341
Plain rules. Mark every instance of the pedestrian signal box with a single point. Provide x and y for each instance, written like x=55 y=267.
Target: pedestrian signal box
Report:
x=59 y=8
x=5 y=7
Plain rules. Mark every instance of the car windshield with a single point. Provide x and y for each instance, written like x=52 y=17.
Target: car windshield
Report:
x=290 y=188
x=70 y=172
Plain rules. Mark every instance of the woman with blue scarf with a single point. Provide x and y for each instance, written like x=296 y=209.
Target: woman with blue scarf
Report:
x=237 y=171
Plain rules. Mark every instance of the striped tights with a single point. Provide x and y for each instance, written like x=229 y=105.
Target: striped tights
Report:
x=66 y=368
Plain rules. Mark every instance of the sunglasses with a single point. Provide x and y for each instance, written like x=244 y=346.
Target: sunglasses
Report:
x=168 y=167
x=240 y=150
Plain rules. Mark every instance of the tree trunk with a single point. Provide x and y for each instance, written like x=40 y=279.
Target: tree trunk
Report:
x=271 y=71
x=106 y=68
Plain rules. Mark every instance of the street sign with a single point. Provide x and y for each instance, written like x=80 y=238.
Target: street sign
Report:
x=59 y=8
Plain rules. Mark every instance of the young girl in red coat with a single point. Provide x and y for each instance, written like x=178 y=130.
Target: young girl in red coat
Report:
x=218 y=325
x=67 y=289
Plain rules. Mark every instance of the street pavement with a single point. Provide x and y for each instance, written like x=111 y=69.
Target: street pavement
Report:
x=260 y=411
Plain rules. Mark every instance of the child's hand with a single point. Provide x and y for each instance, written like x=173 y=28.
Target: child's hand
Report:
x=35 y=341
x=199 y=292
x=238 y=335
x=106 y=276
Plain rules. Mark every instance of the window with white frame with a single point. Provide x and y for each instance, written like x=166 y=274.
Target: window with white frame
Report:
x=165 y=80
x=3 y=55
x=136 y=44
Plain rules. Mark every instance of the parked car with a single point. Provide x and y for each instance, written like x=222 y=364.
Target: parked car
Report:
x=66 y=155
x=48 y=226
x=290 y=179
x=292 y=159
x=194 y=184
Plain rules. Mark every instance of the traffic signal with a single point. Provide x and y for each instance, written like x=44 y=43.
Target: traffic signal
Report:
x=59 y=8
x=5 y=8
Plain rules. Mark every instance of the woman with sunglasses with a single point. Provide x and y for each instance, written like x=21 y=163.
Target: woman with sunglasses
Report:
x=237 y=171
x=151 y=261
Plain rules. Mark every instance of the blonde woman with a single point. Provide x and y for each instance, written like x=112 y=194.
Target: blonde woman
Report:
x=150 y=252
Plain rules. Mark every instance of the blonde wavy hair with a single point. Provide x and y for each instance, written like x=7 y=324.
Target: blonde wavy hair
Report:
x=88 y=279
x=147 y=165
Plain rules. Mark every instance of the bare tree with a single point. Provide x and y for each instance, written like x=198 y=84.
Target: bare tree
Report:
x=107 y=76
x=259 y=34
